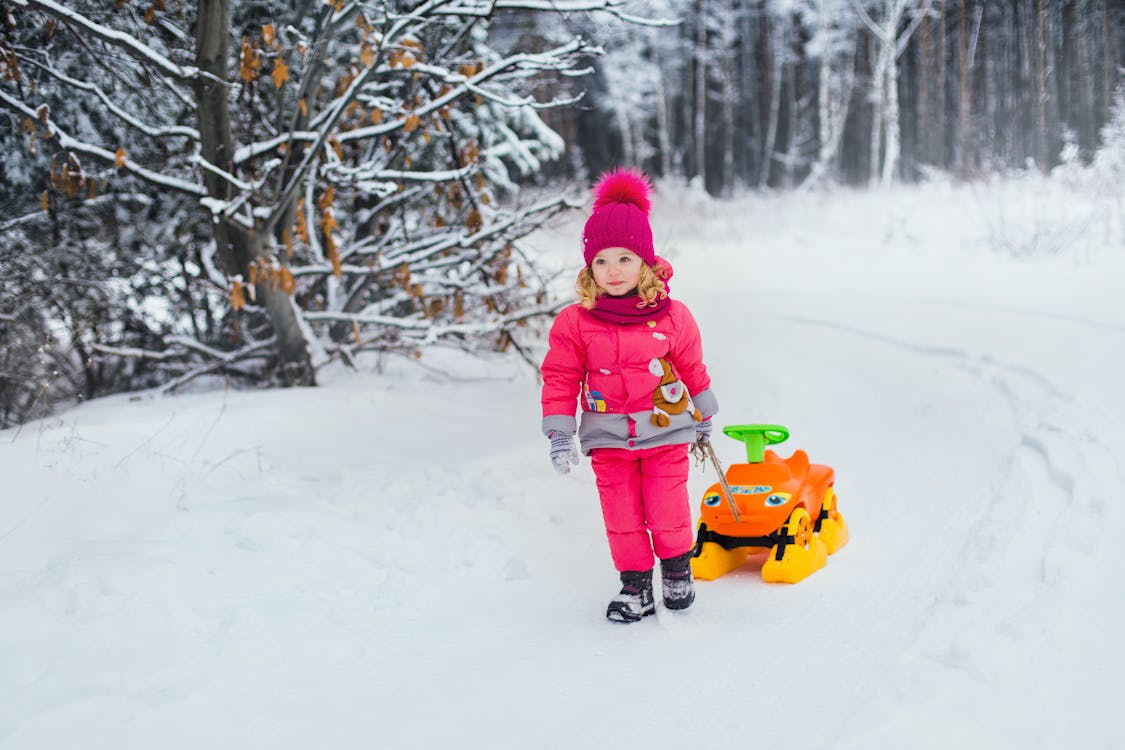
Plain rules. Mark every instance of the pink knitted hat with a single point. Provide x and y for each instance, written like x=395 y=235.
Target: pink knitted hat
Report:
x=620 y=216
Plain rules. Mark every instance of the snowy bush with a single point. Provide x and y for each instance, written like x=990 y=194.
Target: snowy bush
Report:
x=1108 y=167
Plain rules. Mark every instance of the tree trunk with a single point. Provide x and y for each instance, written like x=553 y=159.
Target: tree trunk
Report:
x=1107 y=65
x=1066 y=89
x=891 y=127
x=625 y=125
x=1026 y=113
x=1042 y=152
x=833 y=98
x=776 y=63
x=237 y=247
x=701 y=94
x=749 y=125
x=926 y=65
x=1087 y=127
x=663 y=133
x=729 y=103
x=878 y=103
x=940 y=151
x=982 y=99
x=965 y=90
x=792 y=122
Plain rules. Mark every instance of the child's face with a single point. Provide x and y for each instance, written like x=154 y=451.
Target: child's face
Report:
x=616 y=270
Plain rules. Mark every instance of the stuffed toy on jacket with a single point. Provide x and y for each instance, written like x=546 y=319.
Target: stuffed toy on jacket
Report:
x=670 y=397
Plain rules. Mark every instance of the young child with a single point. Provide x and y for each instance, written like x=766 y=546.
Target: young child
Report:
x=634 y=355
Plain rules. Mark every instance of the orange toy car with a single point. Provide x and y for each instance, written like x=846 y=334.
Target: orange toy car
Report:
x=787 y=506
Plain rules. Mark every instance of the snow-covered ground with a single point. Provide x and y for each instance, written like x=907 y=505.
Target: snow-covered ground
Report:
x=388 y=560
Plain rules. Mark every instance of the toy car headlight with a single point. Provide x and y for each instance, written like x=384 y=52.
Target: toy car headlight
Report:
x=777 y=499
x=712 y=501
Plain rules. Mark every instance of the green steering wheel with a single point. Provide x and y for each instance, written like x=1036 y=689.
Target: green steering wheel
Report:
x=757 y=437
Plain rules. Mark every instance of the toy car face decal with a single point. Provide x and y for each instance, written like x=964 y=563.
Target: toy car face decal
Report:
x=777 y=499
x=713 y=500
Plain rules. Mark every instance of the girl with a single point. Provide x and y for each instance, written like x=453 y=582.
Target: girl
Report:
x=634 y=355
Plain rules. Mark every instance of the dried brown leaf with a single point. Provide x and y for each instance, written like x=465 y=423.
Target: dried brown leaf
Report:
x=280 y=73
x=237 y=296
x=367 y=54
x=250 y=62
x=286 y=281
x=474 y=222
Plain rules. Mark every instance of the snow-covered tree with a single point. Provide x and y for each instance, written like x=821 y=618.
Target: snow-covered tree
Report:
x=303 y=179
x=833 y=45
x=894 y=23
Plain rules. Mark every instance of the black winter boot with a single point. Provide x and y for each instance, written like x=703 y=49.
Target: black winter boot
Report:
x=679 y=591
x=635 y=600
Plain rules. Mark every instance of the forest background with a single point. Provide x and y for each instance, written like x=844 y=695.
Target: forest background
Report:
x=254 y=190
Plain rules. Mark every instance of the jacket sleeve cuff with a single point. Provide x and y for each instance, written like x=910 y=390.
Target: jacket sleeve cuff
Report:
x=560 y=423
x=706 y=402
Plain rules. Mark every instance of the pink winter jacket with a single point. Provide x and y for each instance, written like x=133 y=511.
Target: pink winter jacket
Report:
x=608 y=369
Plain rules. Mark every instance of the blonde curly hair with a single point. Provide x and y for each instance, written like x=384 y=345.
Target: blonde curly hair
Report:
x=650 y=287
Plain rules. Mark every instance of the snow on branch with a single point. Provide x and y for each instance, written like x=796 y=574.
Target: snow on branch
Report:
x=154 y=131
x=553 y=59
x=549 y=60
x=124 y=163
x=486 y=10
x=107 y=198
x=252 y=150
x=425 y=332
x=131 y=44
x=237 y=183
x=895 y=10
x=419 y=251
x=374 y=173
x=179 y=348
x=135 y=353
x=224 y=359
x=335 y=111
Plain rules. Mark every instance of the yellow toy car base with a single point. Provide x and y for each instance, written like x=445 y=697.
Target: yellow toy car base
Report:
x=776 y=501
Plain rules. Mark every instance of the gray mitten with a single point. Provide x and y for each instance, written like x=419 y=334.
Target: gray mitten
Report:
x=703 y=431
x=563 y=451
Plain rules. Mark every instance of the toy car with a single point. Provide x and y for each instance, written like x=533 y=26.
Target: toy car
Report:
x=787 y=506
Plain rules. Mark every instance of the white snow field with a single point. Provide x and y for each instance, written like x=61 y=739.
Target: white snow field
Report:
x=388 y=561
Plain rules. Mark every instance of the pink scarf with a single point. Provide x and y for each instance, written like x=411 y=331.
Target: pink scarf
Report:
x=624 y=310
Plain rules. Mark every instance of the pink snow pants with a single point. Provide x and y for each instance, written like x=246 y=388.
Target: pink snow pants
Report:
x=644 y=492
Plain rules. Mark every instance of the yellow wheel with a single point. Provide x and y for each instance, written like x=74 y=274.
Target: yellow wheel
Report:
x=799 y=554
x=833 y=529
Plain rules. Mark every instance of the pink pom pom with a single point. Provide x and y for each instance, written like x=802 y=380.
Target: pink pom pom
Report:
x=623 y=186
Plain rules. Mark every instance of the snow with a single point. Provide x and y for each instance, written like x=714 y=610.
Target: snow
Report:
x=388 y=560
